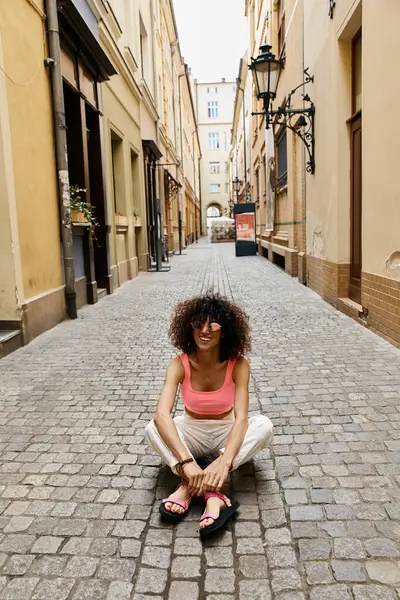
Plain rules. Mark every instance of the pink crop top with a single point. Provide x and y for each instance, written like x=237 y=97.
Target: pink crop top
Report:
x=216 y=402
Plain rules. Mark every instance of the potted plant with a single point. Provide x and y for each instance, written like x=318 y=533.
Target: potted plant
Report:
x=121 y=221
x=81 y=212
x=137 y=221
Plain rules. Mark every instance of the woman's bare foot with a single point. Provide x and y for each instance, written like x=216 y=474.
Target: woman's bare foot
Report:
x=180 y=494
x=214 y=506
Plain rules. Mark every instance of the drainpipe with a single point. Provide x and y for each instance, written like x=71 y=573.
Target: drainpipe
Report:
x=181 y=144
x=159 y=177
x=54 y=62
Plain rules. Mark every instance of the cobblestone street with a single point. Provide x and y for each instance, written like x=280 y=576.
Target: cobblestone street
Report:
x=79 y=489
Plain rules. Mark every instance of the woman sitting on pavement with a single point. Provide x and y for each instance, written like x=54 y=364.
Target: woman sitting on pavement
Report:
x=214 y=378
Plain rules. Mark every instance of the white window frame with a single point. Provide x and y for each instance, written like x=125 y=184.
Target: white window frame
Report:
x=215 y=168
x=215 y=188
x=213 y=109
x=213 y=141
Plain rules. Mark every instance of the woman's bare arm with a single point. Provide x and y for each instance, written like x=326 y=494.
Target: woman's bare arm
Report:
x=163 y=419
x=241 y=375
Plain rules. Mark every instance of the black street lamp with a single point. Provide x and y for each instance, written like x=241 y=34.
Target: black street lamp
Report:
x=266 y=69
x=236 y=186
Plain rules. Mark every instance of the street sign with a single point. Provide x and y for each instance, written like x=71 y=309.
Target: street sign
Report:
x=245 y=229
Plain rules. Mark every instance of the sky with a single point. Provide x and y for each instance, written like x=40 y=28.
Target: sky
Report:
x=213 y=37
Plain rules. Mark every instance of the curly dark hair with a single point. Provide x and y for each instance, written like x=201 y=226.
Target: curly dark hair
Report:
x=235 y=339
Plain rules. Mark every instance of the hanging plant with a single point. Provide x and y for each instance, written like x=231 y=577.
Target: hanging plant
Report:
x=80 y=207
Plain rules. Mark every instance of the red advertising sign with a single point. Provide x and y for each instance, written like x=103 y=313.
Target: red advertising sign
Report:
x=245 y=227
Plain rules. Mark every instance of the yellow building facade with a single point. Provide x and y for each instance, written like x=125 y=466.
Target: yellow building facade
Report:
x=126 y=112
x=31 y=279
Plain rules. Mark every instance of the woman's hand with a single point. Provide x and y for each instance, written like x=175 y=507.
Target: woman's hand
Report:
x=215 y=475
x=193 y=475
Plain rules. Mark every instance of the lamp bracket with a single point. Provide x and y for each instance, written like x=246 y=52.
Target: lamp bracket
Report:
x=299 y=120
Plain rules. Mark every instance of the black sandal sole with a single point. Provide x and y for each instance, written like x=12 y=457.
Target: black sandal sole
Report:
x=224 y=517
x=170 y=516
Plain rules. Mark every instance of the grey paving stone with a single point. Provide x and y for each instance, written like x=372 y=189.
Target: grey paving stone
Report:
x=278 y=537
x=306 y=513
x=48 y=566
x=222 y=557
x=47 y=545
x=53 y=589
x=119 y=590
x=156 y=557
x=281 y=556
x=253 y=567
x=91 y=590
x=103 y=547
x=158 y=537
x=130 y=548
x=120 y=569
x=257 y=589
x=186 y=567
x=249 y=546
x=17 y=564
x=333 y=592
x=183 y=590
x=220 y=580
x=318 y=573
x=319 y=549
x=372 y=592
x=81 y=566
x=19 y=588
x=380 y=548
x=348 y=548
x=348 y=570
x=188 y=547
x=285 y=579
x=383 y=571
x=247 y=529
x=151 y=581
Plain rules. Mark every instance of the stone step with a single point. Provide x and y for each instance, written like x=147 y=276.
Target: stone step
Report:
x=10 y=340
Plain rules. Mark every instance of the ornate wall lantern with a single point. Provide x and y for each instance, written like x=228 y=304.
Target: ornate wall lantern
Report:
x=266 y=69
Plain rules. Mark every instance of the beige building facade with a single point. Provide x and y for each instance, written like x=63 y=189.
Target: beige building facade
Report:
x=336 y=229
x=214 y=106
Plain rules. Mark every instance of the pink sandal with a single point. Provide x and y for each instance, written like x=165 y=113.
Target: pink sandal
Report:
x=222 y=519
x=168 y=514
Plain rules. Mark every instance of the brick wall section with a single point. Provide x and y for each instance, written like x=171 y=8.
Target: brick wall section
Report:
x=381 y=296
x=291 y=266
x=330 y=280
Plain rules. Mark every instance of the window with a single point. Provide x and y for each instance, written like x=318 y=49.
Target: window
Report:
x=357 y=70
x=118 y=174
x=215 y=168
x=281 y=27
x=208 y=90
x=212 y=110
x=281 y=158
x=215 y=188
x=216 y=90
x=213 y=141
x=225 y=141
x=227 y=188
x=144 y=50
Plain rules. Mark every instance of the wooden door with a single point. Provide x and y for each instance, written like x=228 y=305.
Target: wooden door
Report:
x=356 y=211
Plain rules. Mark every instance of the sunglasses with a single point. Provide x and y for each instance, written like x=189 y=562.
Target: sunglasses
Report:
x=199 y=326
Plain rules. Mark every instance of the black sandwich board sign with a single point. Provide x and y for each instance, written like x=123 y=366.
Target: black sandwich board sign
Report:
x=245 y=229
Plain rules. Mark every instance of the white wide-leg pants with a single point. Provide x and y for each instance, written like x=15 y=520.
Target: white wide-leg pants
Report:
x=205 y=437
